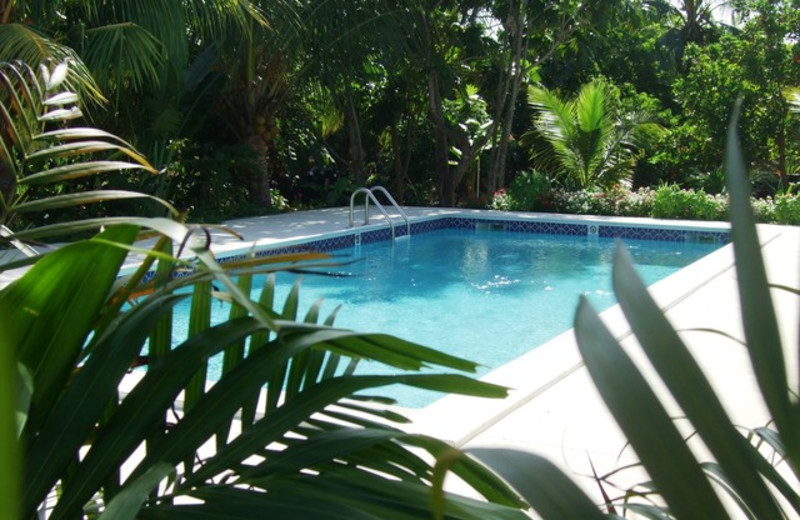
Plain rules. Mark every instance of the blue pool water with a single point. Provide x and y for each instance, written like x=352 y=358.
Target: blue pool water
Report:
x=485 y=296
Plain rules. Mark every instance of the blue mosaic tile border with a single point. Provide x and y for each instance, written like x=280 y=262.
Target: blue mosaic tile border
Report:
x=589 y=229
x=664 y=235
x=572 y=229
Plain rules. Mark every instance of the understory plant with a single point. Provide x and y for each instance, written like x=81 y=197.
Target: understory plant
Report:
x=757 y=469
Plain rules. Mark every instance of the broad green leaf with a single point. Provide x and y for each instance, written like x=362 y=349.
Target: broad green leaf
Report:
x=127 y=503
x=199 y=321
x=240 y=297
x=144 y=408
x=73 y=133
x=275 y=423
x=59 y=290
x=257 y=341
x=77 y=148
x=76 y=171
x=60 y=114
x=255 y=506
x=758 y=312
x=24 y=393
x=718 y=475
x=10 y=460
x=687 y=383
x=234 y=353
x=644 y=421
x=771 y=473
x=551 y=493
x=169 y=228
x=95 y=385
x=380 y=347
x=62 y=98
x=85 y=197
x=363 y=495
x=321 y=448
x=55 y=78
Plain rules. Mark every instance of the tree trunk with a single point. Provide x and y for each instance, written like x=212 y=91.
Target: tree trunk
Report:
x=781 y=142
x=259 y=180
x=400 y=167
x=508 y=94
x=354 y=136
x=441 y=152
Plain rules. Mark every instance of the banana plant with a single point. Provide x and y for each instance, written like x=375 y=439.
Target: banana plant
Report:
x=43 y=152
x=682 y=485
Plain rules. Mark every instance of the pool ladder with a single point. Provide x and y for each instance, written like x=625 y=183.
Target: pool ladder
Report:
x=369 y=195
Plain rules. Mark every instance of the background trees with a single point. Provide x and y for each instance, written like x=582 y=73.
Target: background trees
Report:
x=242 y=104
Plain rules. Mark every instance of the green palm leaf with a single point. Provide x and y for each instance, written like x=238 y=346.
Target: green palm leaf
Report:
x=588 y=143
x=34 y=157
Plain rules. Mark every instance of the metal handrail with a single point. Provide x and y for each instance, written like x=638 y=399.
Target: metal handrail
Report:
x=369 y=195
x=394 y=203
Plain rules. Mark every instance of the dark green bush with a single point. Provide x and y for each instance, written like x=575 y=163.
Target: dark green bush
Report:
x=530 y=191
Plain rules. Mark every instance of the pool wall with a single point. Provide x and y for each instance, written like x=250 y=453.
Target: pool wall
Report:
x=361 y=236
x=482 y=221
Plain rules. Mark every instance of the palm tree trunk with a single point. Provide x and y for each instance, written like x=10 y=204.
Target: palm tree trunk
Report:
x=259 y=180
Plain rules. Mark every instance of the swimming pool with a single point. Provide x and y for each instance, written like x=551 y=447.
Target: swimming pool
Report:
x=479 y=293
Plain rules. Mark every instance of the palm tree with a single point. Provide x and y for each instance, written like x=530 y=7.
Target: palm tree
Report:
x=587 y=142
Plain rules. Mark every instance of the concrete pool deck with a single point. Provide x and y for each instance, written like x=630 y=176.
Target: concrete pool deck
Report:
x=553 y=409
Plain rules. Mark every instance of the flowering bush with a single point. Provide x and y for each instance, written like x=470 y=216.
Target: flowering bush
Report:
x=787 y=209
x=668 y=201
x=501 y=200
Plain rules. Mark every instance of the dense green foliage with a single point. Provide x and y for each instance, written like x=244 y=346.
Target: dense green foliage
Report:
x=242 y=104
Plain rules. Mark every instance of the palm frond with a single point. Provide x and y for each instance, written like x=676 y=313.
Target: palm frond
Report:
x=22 y=43
x=124 y=54
x=34 y=156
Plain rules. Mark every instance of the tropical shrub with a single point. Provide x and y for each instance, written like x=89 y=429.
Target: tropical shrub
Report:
x=529 y=191
x=673 y=202
x=501 y=201
x=787 y=209
x=589 y=144
x=681 y=483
